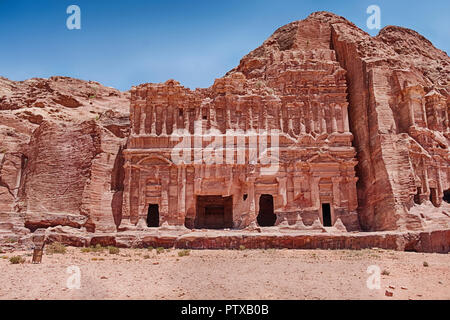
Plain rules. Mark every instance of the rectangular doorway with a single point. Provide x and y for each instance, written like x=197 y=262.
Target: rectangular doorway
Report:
x=153 y=216
x=326 y=215
x=214 y=212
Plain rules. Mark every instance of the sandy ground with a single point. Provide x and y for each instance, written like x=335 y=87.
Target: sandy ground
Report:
x=244 y=274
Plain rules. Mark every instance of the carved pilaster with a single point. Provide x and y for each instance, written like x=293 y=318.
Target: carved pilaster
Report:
x=334 y=127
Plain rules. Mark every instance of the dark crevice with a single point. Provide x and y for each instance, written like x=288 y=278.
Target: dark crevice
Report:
x=118 y=172
x=447 y=196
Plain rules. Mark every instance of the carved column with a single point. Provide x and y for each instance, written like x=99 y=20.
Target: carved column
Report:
x=280 y=118
x=228 y=118
x=186 y=120
x=164 y=120
x=153 y=129
x=282 y=189
x=142 y=199
x=165 y=177
x=334 y=127
x=311 y=118
x=323 y=122
x=181 y=192
x=142 y=126
x=316 y=117
x=290 y=185
x=137 y=117
x=134 y=196
x=302 y=120
x=345 y=117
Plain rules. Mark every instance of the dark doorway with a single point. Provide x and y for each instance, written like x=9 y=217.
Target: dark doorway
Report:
x=417 y=196
x=266 y=216
x=434 y=197
x=326 y=214
x=153 y=216
x=447 y=196
x=214 y=212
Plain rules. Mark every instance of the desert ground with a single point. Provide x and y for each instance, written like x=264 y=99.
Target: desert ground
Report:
x=232 y=274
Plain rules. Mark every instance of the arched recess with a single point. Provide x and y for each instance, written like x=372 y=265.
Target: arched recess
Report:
x=154 y=160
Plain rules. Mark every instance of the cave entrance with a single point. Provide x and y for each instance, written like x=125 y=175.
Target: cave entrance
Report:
x=266 y=216
x=214 y=212
x=153 y=216
x=434 y=197
x=447 y=196
x=326 y=215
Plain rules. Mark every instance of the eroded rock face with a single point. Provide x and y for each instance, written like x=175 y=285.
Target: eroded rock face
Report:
x=61 y=139
x=399 y=97
x=321 y=125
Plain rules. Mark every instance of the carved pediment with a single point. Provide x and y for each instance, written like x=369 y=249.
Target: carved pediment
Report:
x=155 y=161
x=323 y=158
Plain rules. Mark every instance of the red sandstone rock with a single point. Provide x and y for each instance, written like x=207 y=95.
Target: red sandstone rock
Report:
x=60 y=159
x=399 y=82
x=363 y=126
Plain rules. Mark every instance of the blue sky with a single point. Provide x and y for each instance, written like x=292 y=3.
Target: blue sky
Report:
x=125 y=43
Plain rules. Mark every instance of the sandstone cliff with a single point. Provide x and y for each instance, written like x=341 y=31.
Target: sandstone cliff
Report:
x=399 y=97
x=62 y=139
x=61 y=142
